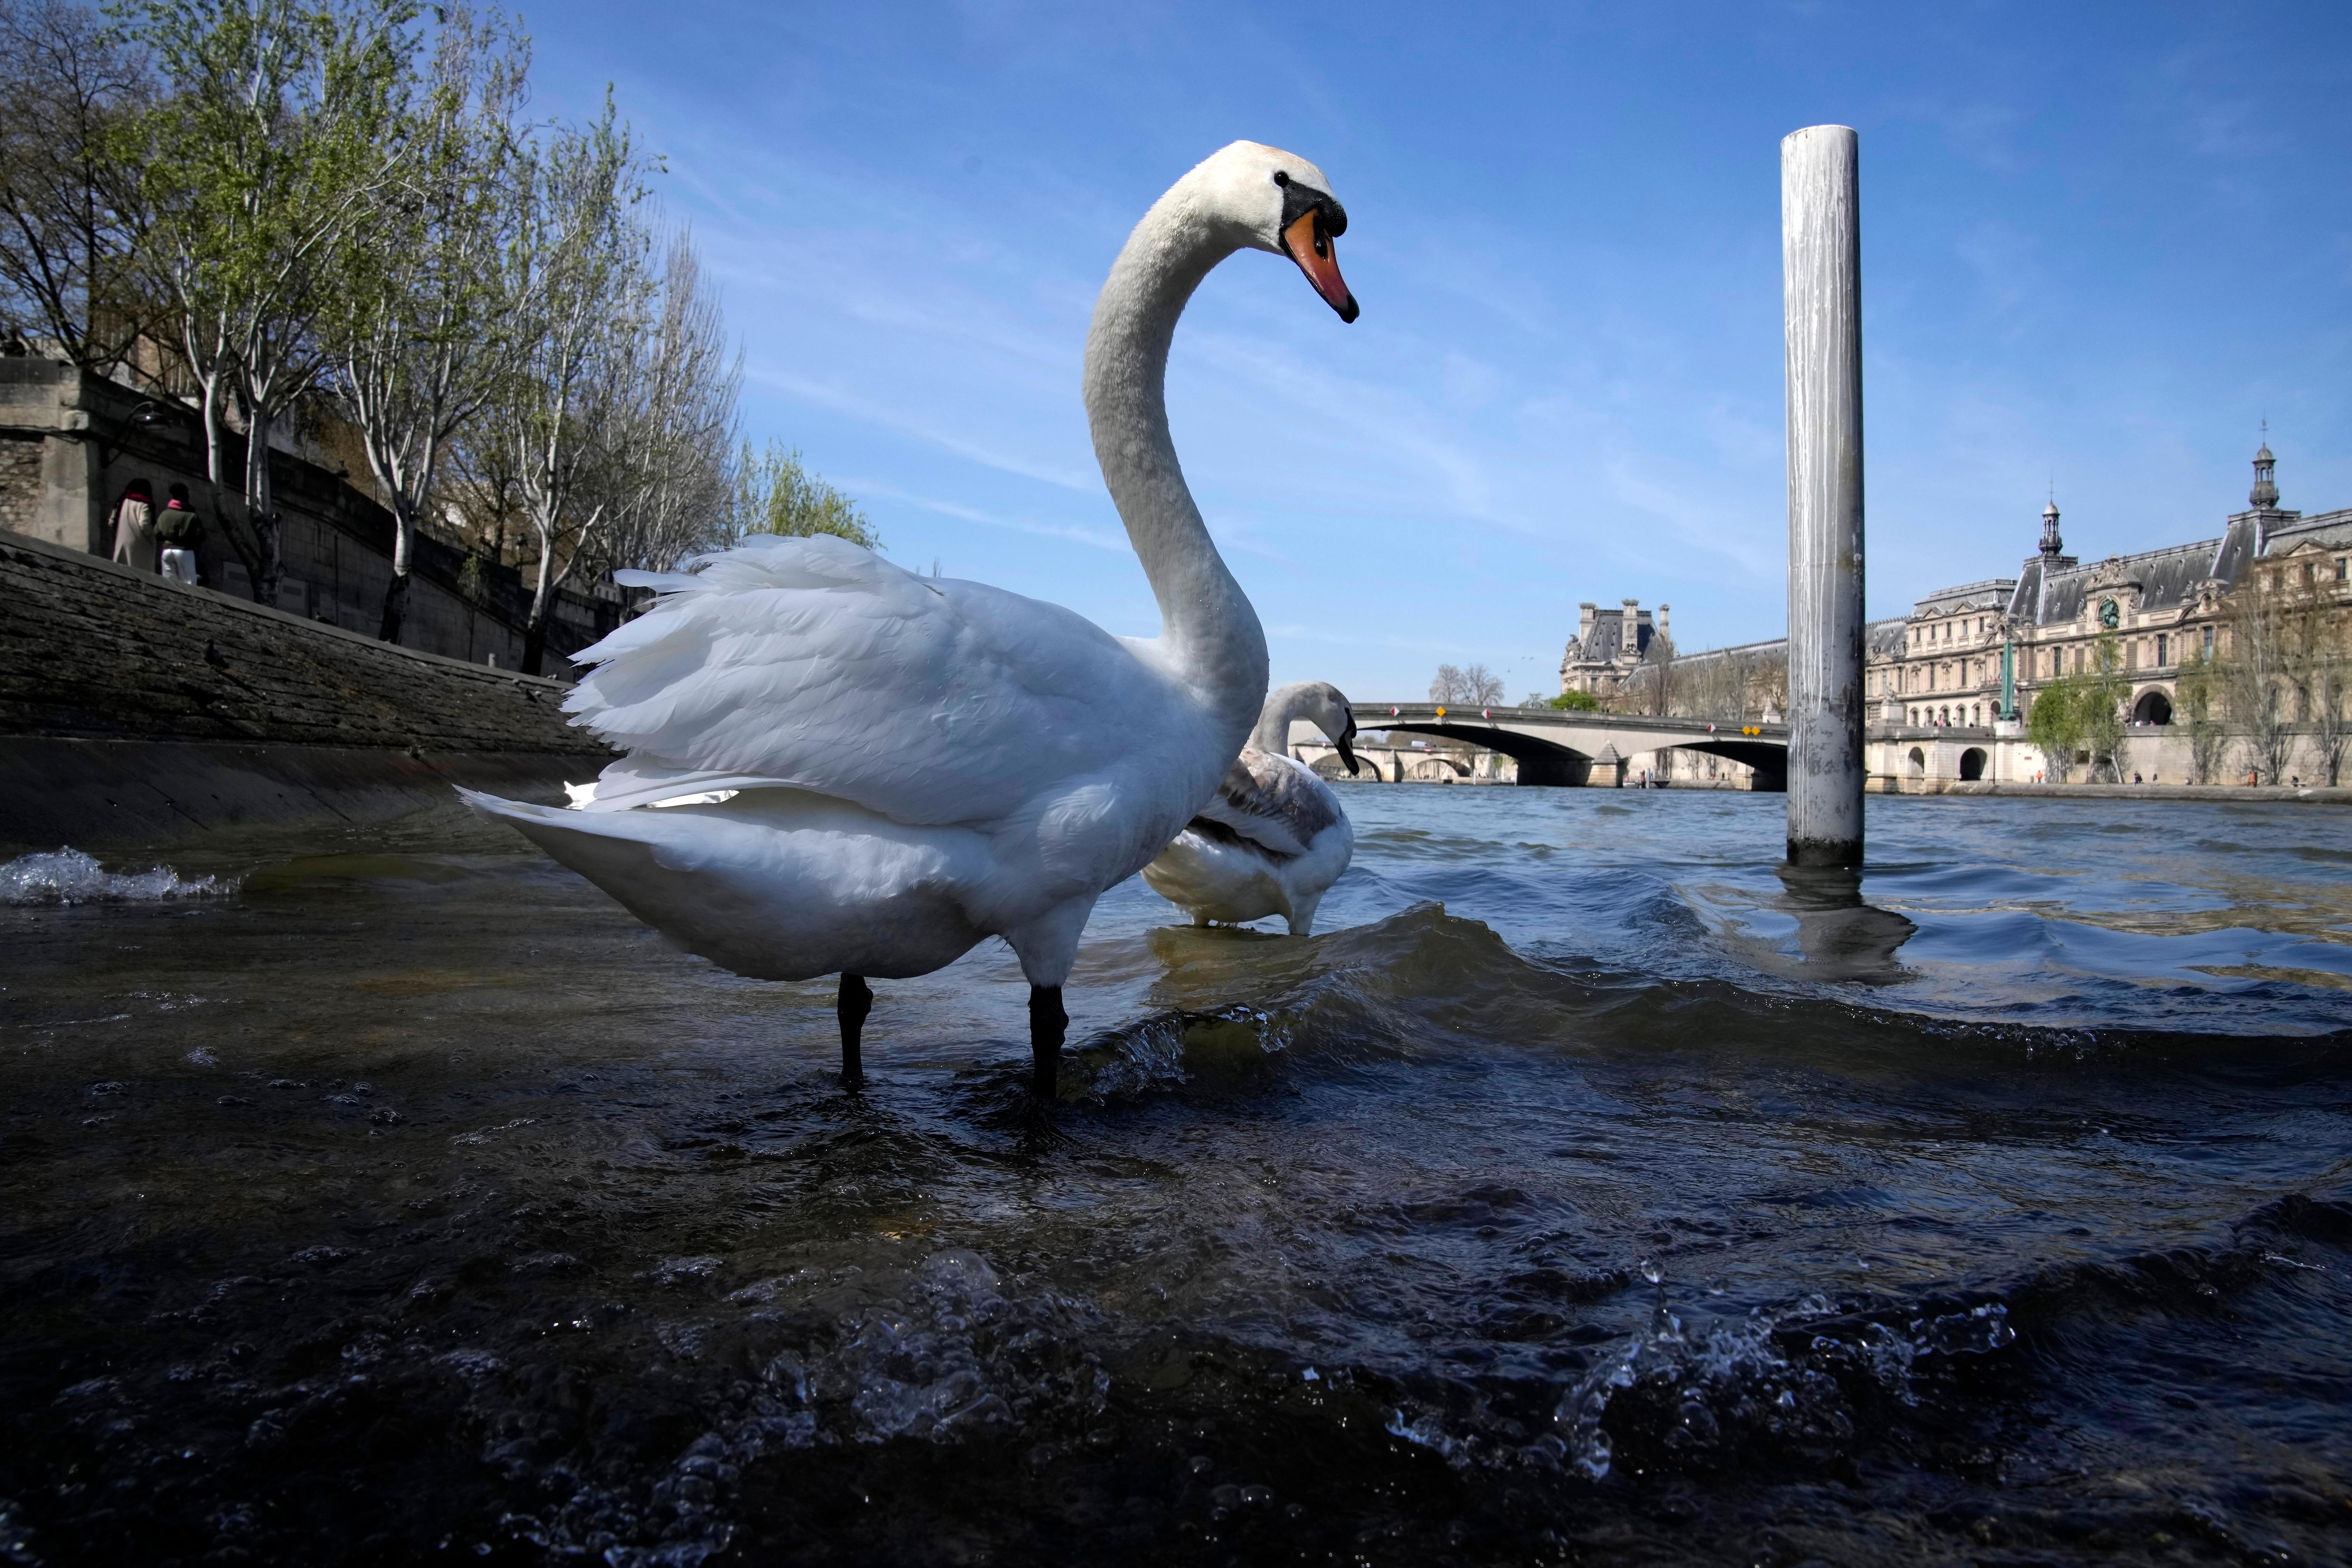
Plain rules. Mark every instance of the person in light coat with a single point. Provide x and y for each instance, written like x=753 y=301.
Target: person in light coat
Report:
x=134 y=528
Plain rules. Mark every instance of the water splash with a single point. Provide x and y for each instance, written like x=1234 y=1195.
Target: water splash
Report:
x=68 y=877
x=1784 y=1374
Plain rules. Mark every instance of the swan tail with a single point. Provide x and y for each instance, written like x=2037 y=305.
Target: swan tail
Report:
x=752 y=896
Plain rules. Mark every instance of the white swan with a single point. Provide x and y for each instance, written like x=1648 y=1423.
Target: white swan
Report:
x=923 y=763
x=1273 y=839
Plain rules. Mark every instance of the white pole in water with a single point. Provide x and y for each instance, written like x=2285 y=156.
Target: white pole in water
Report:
x=1821 y=255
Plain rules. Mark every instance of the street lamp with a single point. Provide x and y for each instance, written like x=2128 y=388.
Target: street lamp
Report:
x=147 y=412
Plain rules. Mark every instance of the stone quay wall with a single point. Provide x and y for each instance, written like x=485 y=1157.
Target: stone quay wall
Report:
x=132 y=709
x=70 y=442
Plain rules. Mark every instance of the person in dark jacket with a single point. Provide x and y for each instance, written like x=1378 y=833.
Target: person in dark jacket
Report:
x=179 y=531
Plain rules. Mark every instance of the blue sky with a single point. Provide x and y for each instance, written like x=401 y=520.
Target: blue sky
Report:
x=2100 y=245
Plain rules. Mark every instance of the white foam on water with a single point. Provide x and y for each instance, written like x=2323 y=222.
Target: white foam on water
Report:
x=70 y=877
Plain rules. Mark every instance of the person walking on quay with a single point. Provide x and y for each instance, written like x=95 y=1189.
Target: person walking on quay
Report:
x=180 y=530
x=134 y=526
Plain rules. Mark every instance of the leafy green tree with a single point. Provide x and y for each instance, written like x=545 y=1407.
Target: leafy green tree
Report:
x=2054 y=724
x=414 y=329
x=776 y=493
x=274 y=141
x=2099 y=707
x=1576 y=702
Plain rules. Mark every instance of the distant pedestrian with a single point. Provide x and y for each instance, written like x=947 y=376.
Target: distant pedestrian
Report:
x=179 y=531
x=134 y=526
x=2135 y=777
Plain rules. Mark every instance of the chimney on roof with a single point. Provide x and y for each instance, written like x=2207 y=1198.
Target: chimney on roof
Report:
x=1662 y=622
x=1585 y=612
x=1629 y=634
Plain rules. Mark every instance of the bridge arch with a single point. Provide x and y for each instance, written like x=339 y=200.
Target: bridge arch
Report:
x=1545 y=761
x=1540 y=762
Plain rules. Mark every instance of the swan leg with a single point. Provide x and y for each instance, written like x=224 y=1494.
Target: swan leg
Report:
x=1301 y=915
x=856 y=1001
x=1047 y=1024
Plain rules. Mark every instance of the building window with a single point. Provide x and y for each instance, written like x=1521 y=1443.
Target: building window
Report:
x=2344 y=568
x=2160 y=650
x=2208 y=642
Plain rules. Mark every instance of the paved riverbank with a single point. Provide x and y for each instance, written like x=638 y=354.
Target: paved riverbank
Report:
x=135 y=709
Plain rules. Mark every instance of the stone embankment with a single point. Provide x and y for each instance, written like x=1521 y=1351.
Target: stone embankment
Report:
x=2237 y=794
x=136 y=709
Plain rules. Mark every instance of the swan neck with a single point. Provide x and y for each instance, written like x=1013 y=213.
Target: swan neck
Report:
x=1209 y=632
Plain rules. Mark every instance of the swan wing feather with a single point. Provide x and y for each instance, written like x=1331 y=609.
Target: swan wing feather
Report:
x=1274 y=801
x=813 y=663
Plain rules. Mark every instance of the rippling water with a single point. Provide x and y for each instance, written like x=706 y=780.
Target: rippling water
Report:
x=1588 y=1193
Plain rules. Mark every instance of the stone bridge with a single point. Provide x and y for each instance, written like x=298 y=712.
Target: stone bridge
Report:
x=1554 y=746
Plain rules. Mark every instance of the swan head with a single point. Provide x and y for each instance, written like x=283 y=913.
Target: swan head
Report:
x=1321 y=704
x=1282 y=204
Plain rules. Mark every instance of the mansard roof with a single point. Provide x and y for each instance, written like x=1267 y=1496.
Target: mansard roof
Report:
x=1606 y=642
x=2327 y=529
x=2053 y=595
x=1992 y=594
x=1884 y=639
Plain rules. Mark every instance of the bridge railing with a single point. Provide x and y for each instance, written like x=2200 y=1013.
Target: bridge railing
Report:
x=1387 y=715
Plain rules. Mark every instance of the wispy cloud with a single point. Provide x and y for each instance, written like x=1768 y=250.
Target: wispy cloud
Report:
x=1076 y=533
x=842 y=400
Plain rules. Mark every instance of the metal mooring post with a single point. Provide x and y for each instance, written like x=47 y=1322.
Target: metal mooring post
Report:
x=1821 y=255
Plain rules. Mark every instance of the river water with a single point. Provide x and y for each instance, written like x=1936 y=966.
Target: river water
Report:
x=1587 y=1193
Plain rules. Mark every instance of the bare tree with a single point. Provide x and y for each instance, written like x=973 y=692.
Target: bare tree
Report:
x=415 y=334
x=2316 y=667
x=671 y=435
x=1475 y=687
x=1769 y=684
x=576 y=281
x=2201 y=703
x=2256 y=676
x=1652 y=685
x=73 y=216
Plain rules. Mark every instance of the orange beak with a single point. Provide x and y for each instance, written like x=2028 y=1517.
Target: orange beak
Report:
x=1306 y=243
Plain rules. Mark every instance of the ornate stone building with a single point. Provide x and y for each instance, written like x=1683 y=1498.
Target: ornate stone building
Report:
x=1609 y=646
x=1950 y=685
